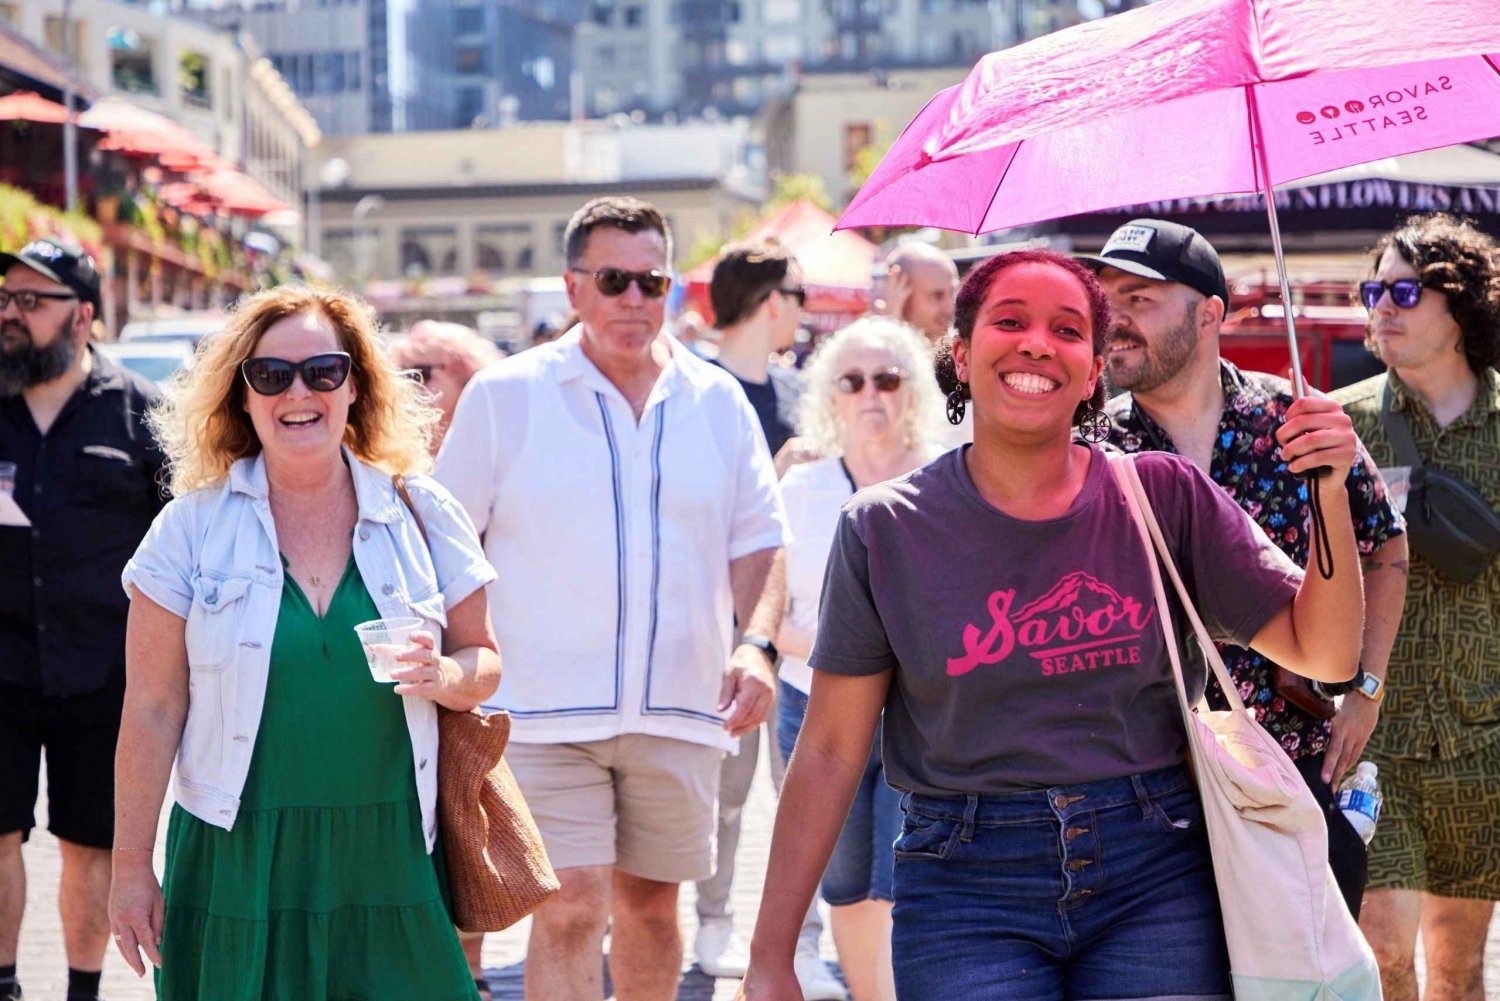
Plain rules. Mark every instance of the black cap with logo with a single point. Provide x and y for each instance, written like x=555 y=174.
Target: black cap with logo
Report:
x=1164 y=251
x=64 y=264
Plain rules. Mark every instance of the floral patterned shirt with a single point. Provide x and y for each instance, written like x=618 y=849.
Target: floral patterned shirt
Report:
x=1246 y=463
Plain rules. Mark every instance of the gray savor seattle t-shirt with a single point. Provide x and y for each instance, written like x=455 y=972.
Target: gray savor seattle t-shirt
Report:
x=1029 y=654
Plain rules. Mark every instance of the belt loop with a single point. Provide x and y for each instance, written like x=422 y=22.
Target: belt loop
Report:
x=906 y=802
x=971 y=806
x=1141 y=796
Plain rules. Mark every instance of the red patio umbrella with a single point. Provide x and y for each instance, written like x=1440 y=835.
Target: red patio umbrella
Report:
x=28 y=106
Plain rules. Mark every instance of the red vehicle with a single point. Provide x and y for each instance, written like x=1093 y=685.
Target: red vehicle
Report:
x=1330 y=333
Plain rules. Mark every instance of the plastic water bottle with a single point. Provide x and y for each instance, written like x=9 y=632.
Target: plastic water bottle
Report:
x=1360 y=799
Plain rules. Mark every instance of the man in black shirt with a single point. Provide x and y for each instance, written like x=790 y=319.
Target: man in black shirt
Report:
x=757 y=296
x=87 y=488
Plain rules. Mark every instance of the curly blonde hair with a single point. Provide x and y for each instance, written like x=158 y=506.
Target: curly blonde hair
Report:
x=201 y=423
x=817 y=422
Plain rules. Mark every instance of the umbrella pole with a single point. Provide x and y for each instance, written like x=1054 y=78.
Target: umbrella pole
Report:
x=1267 y=189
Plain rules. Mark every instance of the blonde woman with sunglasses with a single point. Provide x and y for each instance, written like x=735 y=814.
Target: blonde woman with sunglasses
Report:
x=869 y=409
x=300 y=852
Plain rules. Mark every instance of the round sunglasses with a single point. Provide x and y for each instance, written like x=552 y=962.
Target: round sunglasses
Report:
x=1405 y=292
x=885 y=382
x=274 y=376
x=614 y=281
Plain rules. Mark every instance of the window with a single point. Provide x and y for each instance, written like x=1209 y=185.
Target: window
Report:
x=782 y=48
x=503 y=247
x=428 y=250
x=131 y=62
x=603 y=11
x=605 y=55
x=193 y=78
x=857 y=135
x=352 y=70
x=737 y=53
x=782 y=11
x=470 y=59
x=468 y=20
x=470 y=104
x=634 y=17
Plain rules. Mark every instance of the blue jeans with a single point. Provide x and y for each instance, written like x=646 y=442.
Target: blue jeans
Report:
x=1099 y=891
x=862 y=865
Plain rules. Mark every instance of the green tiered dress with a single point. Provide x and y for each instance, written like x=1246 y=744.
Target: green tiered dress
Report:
x=323 y=891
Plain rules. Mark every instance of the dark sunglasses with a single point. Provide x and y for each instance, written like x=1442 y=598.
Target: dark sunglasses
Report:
x=614 y=281
x=28 y=301
x=885 y=382
x=799 y=293
x=1405 y=292
x=320 y=373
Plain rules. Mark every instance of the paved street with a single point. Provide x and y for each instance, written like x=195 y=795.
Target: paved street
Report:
x=42 y=963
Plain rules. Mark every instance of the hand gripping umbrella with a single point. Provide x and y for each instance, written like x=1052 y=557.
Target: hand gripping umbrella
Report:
x=1189 y=98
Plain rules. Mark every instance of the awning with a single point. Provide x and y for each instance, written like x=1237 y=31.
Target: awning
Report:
x=27 y=106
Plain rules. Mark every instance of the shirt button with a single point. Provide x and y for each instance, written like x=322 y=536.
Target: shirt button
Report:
x=422 y=765
x=388 y=590
x=41 y=627
x=36 y=533
x=364 y=534
x=37 y=489
x=36 y=581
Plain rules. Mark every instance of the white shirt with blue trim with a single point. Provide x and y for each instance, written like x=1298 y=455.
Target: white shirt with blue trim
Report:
x=612 y=538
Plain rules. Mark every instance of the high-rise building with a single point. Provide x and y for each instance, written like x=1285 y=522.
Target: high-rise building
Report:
x=357 y=65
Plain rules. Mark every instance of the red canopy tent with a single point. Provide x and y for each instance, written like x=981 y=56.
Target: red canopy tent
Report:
x=836 y=267
x=28 y=106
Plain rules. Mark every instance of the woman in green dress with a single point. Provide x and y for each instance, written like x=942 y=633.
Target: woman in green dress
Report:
x=300 y=856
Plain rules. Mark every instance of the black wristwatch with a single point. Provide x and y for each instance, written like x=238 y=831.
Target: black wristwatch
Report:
x=762 y=643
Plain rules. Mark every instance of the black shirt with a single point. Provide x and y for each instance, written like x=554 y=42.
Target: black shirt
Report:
x=775 y=403
x=90 y=488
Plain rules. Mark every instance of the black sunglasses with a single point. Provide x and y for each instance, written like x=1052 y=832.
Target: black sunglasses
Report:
x=1405 y=292
x=614 y=281
x=274 y=376
x=799 y=293
x=28 y=301
x=885 y=382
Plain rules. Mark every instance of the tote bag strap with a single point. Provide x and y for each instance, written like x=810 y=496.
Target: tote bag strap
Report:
x=1150 y=531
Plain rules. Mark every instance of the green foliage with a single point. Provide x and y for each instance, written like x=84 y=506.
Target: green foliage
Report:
x=868 y=158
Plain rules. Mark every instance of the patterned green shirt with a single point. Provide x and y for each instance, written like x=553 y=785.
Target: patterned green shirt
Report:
x=1443 y=686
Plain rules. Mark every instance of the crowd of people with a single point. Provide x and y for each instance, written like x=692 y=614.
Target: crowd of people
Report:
x=866 y=566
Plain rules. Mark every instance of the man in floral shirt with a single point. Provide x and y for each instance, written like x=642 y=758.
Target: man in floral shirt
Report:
x=1167 y=290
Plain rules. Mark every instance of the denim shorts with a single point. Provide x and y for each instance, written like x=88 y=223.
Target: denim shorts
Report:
x=1094 y=892
x=862 y=864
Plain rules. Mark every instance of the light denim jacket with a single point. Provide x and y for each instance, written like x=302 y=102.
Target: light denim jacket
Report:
x=211 y=557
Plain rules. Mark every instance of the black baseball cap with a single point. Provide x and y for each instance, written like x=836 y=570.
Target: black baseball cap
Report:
x=1165 y=251
x=63 y=263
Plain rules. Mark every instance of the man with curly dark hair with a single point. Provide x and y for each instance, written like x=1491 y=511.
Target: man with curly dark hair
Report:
x=1434 y=304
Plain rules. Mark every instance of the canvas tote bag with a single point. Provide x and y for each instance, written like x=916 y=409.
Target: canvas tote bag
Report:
x=1290 y=935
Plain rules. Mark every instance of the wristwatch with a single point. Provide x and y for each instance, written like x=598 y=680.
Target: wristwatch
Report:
x=1371 y=687
x=763 y=644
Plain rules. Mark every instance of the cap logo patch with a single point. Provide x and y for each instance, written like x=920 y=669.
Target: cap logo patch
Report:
x=1130 y=238
x=44 y=248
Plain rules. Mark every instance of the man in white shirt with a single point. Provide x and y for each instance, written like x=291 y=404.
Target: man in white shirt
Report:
x=627 y=498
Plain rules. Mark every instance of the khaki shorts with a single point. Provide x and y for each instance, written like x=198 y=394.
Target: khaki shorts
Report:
x=641 y=803
x=1437 y=825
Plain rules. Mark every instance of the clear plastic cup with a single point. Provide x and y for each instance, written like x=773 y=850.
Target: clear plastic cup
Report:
x=384 y=640
x=8 y=479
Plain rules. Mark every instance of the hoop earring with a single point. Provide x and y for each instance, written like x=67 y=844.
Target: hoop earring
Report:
x=1094 y=426
x=958 y=403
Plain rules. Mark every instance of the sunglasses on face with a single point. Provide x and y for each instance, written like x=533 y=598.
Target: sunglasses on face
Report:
x=1405 y=292
x=614 y=281
x=885 y=382
x=796 y=292
x=28 y=302
x=274 y=376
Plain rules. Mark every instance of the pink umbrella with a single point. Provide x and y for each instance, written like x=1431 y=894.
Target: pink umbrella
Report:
x=1186 y=98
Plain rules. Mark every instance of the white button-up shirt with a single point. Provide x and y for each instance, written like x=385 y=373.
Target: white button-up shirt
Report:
x=211 y=557
x=614 y=609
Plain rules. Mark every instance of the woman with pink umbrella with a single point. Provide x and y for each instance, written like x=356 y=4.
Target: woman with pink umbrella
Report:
x=997 y=606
